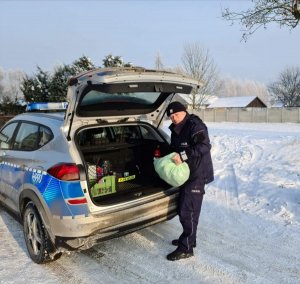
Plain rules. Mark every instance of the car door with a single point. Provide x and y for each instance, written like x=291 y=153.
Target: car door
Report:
x=20 y=158
x=7 y=135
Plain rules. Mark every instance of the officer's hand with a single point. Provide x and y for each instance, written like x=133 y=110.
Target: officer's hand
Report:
x=176 y=158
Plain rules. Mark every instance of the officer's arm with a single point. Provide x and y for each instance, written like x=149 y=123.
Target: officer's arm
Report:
x=200 y=144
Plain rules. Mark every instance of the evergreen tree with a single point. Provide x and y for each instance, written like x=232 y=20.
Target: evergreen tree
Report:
x=59 y=83
x=112 y=61
x=115 y=61
x=46 y=87
x=82 y=64
x=43 y=81
x=36 y=88
x=28 y=89
x=43 y=87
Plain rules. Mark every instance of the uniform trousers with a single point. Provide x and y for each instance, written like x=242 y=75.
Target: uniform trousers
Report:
x=190 y=202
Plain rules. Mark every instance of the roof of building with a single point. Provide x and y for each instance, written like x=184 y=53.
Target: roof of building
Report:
x=233 y=102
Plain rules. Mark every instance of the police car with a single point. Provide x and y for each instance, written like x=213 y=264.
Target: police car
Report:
x=85 y=174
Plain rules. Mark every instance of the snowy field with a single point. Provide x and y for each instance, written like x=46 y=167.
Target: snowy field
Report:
x=249 y=230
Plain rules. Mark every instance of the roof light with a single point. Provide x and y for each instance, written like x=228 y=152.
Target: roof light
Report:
x=46 y=106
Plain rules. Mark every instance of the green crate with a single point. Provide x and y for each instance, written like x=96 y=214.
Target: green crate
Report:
x=105 y=186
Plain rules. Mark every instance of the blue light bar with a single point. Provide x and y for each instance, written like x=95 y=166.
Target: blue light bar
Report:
x=46 y=106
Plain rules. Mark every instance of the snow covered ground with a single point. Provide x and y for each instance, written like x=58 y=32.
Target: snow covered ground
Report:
x=249 y=228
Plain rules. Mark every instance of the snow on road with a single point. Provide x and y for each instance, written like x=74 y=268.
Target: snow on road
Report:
x=249 y=227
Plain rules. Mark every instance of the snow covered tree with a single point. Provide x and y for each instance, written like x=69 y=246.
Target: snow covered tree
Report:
x=82 y=64
x=46 y=87
x=230 y=87
x=283 y=12
x=10 y=84
x=13 y=90
x=115 y=61
x=36 y=88
x=59 y=82
x=1 y=82
x=112 y=61
x=198 y=64
x=287 y=88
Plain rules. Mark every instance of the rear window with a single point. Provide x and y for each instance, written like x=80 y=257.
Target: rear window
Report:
x=141 y=98
x=125 y=99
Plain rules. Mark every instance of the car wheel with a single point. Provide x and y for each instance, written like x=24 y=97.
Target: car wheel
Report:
x=36 y=236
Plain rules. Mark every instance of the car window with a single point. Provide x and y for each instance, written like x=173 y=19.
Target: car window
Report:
x=95 y=136
x=146 y=134
x=32 y=136
x=124 y=98
x=45 y=135
x=27 y=137
x=126 y=133
x=6 y=135
x=95 y=97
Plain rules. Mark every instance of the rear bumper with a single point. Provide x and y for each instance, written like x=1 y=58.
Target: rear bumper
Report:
x=85 y=232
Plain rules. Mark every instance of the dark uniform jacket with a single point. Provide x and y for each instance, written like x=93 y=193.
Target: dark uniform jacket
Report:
x=190 y=139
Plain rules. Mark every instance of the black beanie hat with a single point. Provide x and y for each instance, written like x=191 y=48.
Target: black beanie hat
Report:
x=175 y=107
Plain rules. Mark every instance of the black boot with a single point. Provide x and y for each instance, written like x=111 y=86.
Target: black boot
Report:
x=176 y=243
x=177 y=254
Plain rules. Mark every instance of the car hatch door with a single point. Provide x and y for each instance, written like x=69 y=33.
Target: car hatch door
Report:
x=114 y=96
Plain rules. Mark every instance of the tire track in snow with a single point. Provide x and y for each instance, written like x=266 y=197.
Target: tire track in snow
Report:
x=227 y=188
x=260 y=249
x=115 y=266
x=63 y=273
x=13 y=243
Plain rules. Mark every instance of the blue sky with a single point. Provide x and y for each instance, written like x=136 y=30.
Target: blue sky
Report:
x=47 y=33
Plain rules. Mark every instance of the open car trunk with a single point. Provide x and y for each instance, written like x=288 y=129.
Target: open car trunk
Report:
x=119 y=161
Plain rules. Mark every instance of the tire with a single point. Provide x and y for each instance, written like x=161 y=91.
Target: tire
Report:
x=36 y=236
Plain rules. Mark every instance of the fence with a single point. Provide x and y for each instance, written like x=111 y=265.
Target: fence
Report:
x=271 y=115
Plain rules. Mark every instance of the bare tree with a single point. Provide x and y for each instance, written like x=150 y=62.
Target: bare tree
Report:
x=1 y=82
x=158 y=62
x=15 y=78
x=230 y=87
x=10 y=84
x=283 y=12
x=198 y=64
x=287 y=88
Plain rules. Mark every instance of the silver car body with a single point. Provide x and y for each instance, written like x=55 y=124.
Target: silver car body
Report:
x=70 y=215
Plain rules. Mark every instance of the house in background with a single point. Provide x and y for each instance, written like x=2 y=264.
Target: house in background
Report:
x=186 y=101
x=238 y=102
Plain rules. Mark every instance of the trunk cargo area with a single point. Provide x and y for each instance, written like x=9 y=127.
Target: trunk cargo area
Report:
x=119 y=162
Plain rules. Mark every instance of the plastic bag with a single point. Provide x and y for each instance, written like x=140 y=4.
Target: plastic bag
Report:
x=175 y=175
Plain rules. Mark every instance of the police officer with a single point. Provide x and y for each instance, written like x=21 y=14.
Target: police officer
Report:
x=190 y=141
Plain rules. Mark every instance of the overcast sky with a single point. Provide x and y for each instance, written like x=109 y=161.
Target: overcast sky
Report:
x=47 y=33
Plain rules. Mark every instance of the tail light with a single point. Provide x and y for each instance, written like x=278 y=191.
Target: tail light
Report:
x=64 y=172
